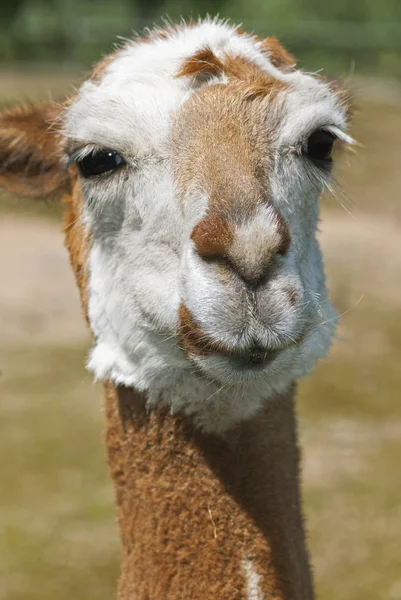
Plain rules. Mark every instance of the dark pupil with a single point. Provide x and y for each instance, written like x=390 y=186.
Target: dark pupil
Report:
x=319 y=146
x=100 y=162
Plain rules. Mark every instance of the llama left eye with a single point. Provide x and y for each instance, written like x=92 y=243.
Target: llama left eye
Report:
x=319 y=146
x=101 y=161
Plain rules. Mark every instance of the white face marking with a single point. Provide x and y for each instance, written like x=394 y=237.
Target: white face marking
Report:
x=143 y=263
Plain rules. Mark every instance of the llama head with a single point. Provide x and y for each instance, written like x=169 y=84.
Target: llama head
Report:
x=192 y=163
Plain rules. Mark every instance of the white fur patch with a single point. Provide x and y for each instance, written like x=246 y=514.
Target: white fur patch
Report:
x=253 y=589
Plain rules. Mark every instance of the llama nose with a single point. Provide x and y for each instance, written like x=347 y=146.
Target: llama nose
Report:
x=254 y=264
x=249 y=250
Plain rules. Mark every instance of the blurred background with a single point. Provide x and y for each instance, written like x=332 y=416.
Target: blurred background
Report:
x=58 y=536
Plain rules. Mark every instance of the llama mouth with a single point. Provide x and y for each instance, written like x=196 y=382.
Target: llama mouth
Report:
x=230 y=366
x=253 y=358
x=197 y=345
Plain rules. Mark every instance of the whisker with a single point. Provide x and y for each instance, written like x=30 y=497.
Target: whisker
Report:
x=217 y=391
x=343 y=313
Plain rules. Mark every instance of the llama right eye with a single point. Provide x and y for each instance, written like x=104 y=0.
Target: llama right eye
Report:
x=99 y=162
x=319 y=146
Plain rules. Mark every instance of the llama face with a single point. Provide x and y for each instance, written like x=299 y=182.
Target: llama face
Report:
x=205 y=277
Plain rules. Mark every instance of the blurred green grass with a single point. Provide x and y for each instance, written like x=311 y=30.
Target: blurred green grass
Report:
x=59 y=537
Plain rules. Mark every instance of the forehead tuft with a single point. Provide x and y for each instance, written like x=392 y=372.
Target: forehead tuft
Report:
x=133 y=92
x=166 y=50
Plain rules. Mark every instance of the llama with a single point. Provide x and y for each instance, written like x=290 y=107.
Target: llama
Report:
x=191 y=163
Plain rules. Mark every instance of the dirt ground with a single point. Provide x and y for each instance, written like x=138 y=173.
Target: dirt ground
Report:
x=39 y=304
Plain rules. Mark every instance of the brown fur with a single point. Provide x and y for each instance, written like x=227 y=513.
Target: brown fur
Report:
x=213 y=236
x=226 y=155
x=77 y=240
x=191 y=507
x=227 y=159
x=229 y=154
x=278 y=55
x=30 y=152
x=235 y=68
x=203 y=62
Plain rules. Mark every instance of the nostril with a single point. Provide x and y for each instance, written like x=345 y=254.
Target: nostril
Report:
x=259 y=275
x=212 y=237
x=252 y=276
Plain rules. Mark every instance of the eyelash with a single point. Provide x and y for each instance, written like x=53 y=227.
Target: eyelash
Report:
x=94 y=162
x=321 y=141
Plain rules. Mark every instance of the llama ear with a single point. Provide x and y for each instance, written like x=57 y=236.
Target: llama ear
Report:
x=30 y=156
x=278 y=55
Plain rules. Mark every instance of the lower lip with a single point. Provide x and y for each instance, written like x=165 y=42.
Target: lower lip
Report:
x=253 y=360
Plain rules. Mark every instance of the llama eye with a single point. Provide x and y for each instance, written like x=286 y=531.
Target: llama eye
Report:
x=101 y=161
x=319 y=146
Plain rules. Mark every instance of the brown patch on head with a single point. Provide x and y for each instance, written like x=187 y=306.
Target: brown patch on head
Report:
x=241 y=68
x=221 y=146
x=276 y=52
x=213 y=236
x=202 y=62
x=205 y=63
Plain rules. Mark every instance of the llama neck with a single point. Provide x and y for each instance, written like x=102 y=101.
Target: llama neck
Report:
x=207 y=517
